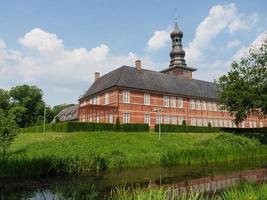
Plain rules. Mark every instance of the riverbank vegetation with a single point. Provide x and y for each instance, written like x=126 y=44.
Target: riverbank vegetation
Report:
x=242 y=191
x=37 y=154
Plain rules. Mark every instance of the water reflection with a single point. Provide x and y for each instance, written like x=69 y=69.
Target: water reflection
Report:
x=98 y=186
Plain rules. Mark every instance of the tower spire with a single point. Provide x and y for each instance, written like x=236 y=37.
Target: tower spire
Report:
x=177 y=53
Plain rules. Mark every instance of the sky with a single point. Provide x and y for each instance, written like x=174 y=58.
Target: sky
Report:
x=59 y=45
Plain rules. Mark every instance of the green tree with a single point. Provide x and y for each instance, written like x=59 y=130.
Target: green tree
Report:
x=8 y=131
x=4 y=100
x=243 y=90
x=209 y=127
x=28 y=100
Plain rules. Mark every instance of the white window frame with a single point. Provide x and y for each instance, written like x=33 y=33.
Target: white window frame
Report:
x=214 y=106
x=199 y=122
x=192 y=104
x=173 y=120
x=180 y=102
x=204 y=105
x=254 y=124
x=166 y=101
x=106 y=98
x=146 y=99
x=166 y=119
x=209 y=106
x=180 y=120
x=110 y=118
x=193 y=121
x=159 y=119
x=126 y=96
x=173 y=102
x=204 y=122
x=147 y=119
x=198 y=105
x=126 y=118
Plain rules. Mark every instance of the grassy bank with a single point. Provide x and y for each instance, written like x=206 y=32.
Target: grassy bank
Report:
x=80 y=153
x=243 y=191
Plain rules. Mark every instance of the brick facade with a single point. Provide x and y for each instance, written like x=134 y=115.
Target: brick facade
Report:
x=194 y=111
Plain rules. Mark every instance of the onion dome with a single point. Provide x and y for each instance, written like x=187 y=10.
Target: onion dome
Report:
x=176 y=32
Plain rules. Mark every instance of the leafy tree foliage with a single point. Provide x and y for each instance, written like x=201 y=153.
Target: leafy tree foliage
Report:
x=8 y=131
x=243 y=90
x=4 y=99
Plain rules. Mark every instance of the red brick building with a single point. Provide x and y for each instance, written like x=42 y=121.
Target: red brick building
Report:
x=138 y=95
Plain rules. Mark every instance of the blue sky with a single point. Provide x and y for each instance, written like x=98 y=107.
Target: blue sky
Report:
x=58 y=45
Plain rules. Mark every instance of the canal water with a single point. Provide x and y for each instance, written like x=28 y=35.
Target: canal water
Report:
x=98 y=185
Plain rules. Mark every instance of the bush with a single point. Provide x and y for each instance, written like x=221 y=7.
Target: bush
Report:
x=70 y=127
x=258 y=133
x=117 y=126
x=185 y=129
x=135 y=127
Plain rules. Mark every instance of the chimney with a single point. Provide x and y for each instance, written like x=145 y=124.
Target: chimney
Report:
x=138 y=64
x=97 y=75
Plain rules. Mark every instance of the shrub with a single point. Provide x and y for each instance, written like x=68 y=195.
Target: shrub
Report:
x=209 y=127
x=117 y=126
x=135 y=127
x=185 y=129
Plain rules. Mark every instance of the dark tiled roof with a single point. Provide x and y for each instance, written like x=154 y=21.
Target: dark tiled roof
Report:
x=144 y=79
x=68 y=114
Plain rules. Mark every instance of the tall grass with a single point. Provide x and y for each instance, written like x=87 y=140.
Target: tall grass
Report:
x=82 y=153
x=239 y=192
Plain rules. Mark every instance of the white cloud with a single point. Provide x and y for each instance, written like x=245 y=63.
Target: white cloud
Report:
x=233 y=43
x=158 y=40
x=62 y=73
x=40 y=40
x=220 y=18
x=254 y=44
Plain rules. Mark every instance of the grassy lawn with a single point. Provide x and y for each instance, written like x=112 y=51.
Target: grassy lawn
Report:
x=81 y=152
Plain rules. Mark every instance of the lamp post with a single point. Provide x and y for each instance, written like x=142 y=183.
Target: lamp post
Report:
x=158 y=110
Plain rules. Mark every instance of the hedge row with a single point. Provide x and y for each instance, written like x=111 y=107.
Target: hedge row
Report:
x=186 y=129
x=83 y=126
x=258 y=133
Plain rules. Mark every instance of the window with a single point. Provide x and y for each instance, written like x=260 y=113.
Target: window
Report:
x=174 y=120
x=96 y=100
x=126 y=118
x=192 y=104
x=230 y=123
x=224 y=123
x=205 y=122
x=261 y=124
x=110 y=118
x=221 y=123
x=126 y=96
x=180 y=120
x=90 y=119
x=180 y=103
x=193 y=121
x=214 y=106
x=158 y=119
x=147 y=99
x=198 y=105
x=173 y=102
x=199 y=122
x=147 y=119
x=166 y=119
x=166 y=101
x=254 y=124
x=106 y=98
x=250 y=124
x=243 y=124
x=215 y=123
x=204 y=105
x=97 y=118
x=209 y=105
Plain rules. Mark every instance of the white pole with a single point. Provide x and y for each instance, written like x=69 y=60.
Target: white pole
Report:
x=44 y=118
x=159 y=126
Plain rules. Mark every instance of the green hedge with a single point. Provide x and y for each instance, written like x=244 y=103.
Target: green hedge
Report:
x=186 y=129
x=84 y=126
x=135 y=127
